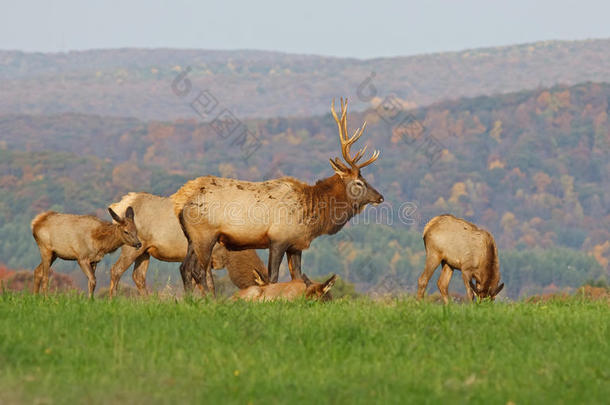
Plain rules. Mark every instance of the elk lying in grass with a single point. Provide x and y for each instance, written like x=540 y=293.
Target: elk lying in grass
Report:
x=290 y=290
x=283 y=215
x=163 y=238
x=83 y=238
x=457 y=244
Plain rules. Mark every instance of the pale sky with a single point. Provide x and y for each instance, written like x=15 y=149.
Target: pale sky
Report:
x=328 y=27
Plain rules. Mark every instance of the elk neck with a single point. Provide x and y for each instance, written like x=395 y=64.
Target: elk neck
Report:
x=491 y=276
x=108 y=237
x=328 y=208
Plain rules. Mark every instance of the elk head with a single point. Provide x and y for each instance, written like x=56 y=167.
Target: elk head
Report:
x=358 y=191
x=126 y=228
x=490 y=292
x=319 y=291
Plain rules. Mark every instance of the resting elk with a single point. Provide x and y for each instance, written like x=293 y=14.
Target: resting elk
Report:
x=84 y=238
x=290 y=290
x=283 y=215
x=457 y=244
x=162 y=238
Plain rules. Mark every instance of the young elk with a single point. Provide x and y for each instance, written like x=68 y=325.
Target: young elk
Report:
x=283 y=215
x=83 y=238
x=290 y=290
x=162 y=238
x=457 y=244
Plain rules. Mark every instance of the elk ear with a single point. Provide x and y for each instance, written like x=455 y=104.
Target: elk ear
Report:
x=115 y=216
x=129 y=213
x=258 y=278
x=306 y=280
x=500 y=287
x=328 y=284
x=474 y=288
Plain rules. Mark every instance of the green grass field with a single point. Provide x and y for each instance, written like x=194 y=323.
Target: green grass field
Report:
x=66 y=349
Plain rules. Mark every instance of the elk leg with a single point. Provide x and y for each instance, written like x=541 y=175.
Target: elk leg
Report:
x=139 y=273
x=276 y=254
x=209 y=279
x=90 y=273
x=294 y=264
x=37 y=278
x=443 y=282
x=186 y=269
x=203 y=256
x=432 y=262
x=41 y=274
x=46 y=270
x=466 y=276
x=127 y=257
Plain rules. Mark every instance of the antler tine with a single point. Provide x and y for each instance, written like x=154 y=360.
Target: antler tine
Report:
x=343 y=134
x=360 y=153
x=371 y=160
x=336 y=162
x=337 y=120
x=347 y=141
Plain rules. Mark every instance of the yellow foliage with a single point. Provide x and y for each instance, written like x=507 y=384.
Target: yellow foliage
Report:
x=544 y=99
x=496 y=164
x=496 y=131
x=508 y=220
x=599 y=253
x=441 y=204
x=542 y=180
x=447 y=156
x=562 y=98
x=458 y=190
x=395 y=258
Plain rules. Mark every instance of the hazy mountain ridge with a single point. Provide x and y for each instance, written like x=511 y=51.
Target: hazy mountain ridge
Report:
x=138 y=82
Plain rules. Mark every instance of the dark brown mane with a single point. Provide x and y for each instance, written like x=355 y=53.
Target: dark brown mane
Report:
x=328 y=206
x=492 y=273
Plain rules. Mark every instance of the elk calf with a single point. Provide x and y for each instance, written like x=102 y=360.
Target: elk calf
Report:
x=289 y=291
x=457 y=244
x=83 y=238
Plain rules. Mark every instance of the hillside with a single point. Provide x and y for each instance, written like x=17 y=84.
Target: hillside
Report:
x=533 y=167
x=138 y=82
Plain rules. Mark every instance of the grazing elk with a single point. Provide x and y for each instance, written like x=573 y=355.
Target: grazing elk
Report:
x=290 y=290
x=162 y=238
x=84 y=238
x=283 y=215
x=457 y=244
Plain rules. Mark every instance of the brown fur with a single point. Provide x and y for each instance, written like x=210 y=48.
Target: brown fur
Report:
x=163 y=238
x=290 y=290
x=458 y=244
x=83 y=238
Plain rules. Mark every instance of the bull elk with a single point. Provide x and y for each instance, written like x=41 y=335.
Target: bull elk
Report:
x=290 y=290
x=84 y=238
x=283 y=215
x=458 y=244
x=162 y=238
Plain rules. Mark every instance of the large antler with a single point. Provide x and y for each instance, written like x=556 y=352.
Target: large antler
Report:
x=347 y=142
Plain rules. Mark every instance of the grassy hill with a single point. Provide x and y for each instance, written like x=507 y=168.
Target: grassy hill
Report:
x=138 y=82
x=67 y=349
